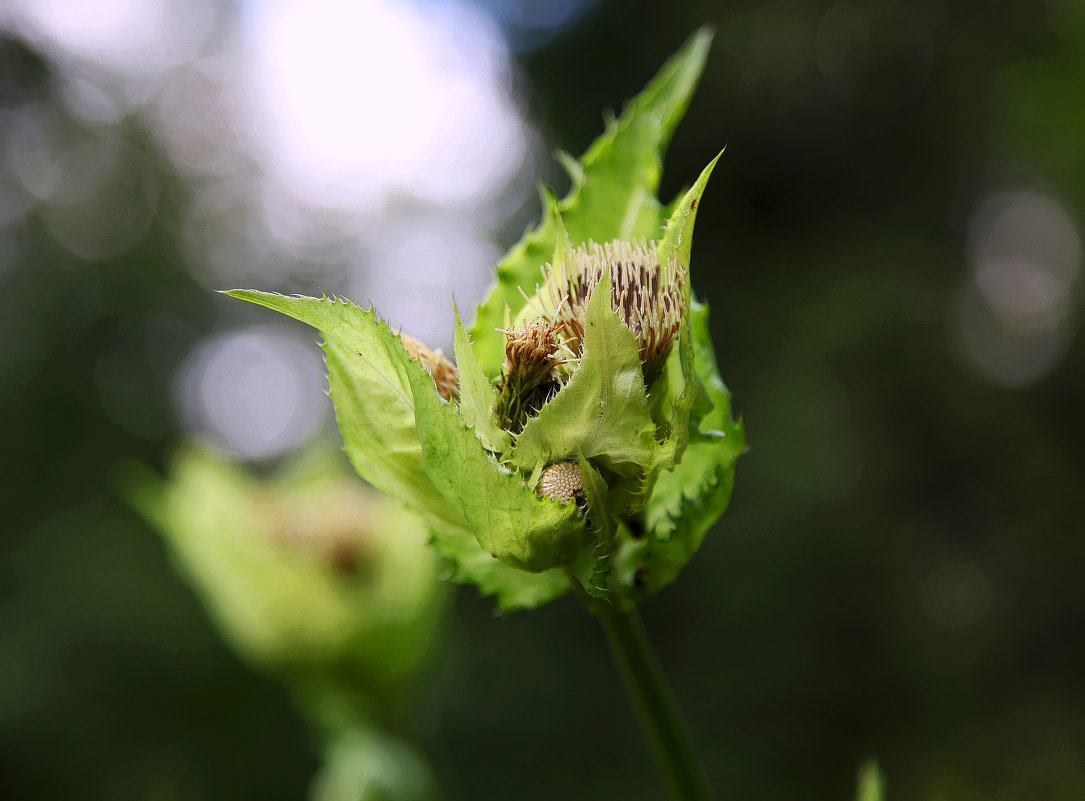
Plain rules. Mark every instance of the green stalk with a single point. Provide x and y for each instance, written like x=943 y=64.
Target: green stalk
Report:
x=660 y=718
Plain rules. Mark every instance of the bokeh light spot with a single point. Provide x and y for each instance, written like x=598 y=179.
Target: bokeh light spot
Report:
x=1013 y=315
x=256 y=392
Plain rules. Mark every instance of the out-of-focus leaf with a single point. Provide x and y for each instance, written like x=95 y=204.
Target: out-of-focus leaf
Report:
x=366 y=764
x=306 y=574
x=870 y=783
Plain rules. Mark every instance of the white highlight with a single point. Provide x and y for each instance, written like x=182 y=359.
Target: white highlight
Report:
x=1013 y=318
x=416 y=267
x=359 y=99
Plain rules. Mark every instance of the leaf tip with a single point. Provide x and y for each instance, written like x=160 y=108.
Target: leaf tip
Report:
x=696 y=47
x=704 y=35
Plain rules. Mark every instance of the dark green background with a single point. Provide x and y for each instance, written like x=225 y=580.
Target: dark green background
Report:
x=886 y=478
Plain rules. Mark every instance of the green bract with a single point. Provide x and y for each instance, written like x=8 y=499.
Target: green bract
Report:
x=584 y=434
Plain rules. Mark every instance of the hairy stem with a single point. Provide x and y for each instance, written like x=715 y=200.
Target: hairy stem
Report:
x=660 y=718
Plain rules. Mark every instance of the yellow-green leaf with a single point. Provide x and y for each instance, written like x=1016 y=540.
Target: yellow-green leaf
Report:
x=477 y=394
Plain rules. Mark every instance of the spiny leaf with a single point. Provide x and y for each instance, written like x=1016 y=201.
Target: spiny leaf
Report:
x=677 y=242
x=625 y=163
x=679 y=389
x=509 y=521
x=374 y=406
x=613 y=195
x=674 y=395
x=719 y=443
x=513 y=589
x=686 y=501
x=595 y=494
x=477 y=394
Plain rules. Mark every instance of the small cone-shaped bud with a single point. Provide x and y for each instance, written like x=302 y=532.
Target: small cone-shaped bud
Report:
x=561 y=482
x=445 y=375
x=648 y=297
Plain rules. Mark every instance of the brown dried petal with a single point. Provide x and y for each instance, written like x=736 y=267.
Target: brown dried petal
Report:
x=445 y=375
x=529 y=376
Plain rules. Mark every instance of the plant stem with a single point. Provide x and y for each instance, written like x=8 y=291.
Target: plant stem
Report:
x=660 y=718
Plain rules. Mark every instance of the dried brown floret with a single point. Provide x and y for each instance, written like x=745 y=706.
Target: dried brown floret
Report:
x=445 y=375
x=530 y=374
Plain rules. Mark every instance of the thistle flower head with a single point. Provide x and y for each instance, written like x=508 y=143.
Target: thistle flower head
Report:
x=648 y=297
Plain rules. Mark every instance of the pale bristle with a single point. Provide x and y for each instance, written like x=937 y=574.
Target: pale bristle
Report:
x=649 y=298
